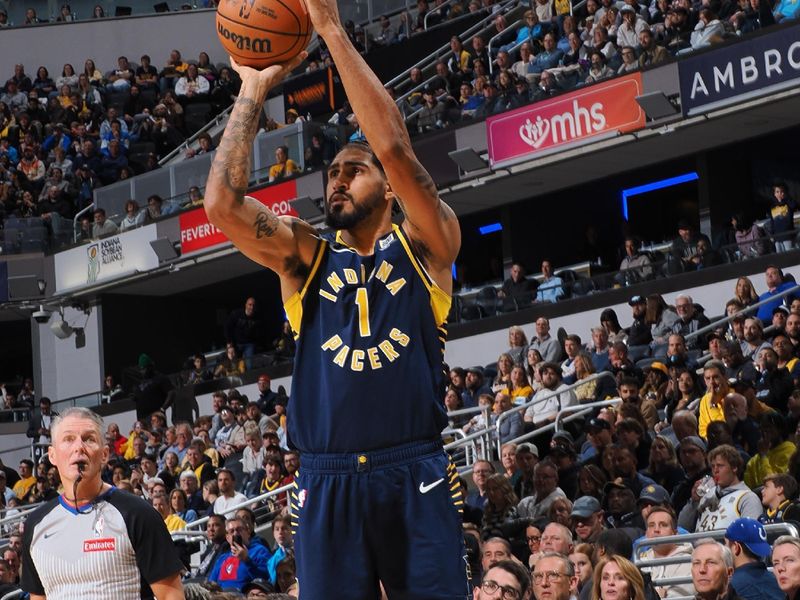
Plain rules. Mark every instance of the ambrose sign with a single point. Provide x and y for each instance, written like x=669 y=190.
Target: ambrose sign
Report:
x=197 y=233
x=561 y=121
x=755 y=67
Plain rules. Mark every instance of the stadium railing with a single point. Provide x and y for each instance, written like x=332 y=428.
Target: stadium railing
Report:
x=551 y=426
x=773 y=531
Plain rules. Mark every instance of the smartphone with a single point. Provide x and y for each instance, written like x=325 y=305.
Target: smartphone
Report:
x=237 y=539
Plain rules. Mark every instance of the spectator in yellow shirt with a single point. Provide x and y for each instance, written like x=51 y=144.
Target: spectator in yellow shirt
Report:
x=711 y=404
x=26 y=478
x=172 y=521
x=284 y=166
x=774 y=451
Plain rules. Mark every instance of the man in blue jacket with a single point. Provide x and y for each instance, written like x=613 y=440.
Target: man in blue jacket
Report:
x=747 y=541
x=246 y=560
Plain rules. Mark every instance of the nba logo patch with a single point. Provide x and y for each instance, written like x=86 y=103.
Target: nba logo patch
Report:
x=386 y=242
x=301 y=498
x=99 y=525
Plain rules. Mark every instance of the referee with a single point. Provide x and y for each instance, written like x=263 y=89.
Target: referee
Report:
x=95 y=542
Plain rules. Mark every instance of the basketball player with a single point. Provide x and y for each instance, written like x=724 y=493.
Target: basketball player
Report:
x=377 y=498
x=94 y=541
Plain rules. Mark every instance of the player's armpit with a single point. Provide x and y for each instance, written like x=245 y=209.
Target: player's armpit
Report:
x=169 y=588
x=283 y=244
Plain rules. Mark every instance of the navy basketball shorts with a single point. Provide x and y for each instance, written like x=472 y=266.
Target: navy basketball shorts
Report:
x=391 y=516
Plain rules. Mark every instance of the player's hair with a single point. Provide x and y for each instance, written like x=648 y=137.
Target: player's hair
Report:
x=364 y=147
x=519 y=573
x=786 y=481
x=78 y=412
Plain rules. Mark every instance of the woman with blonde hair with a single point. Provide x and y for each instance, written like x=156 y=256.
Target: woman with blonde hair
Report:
x=617 y=578
x=745 y=291
x=560 y=512
x=503 y=379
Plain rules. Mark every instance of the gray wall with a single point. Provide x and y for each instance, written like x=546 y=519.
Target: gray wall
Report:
x=54 y=44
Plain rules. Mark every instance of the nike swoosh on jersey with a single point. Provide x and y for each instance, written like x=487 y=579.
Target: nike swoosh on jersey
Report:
x=424 y=489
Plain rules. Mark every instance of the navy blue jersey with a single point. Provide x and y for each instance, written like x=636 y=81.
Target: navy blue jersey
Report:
x=368 y=371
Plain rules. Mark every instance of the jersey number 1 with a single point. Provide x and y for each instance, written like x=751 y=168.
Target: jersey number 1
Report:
x=362 y=302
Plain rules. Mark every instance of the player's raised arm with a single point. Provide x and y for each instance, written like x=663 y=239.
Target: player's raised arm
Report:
x=430 y=223
x=282 y=244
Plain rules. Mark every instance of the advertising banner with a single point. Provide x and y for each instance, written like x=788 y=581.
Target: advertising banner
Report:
x=198 y=234
x=751 y=67
x=312 y=93
x=104 y=259
x=566 y=119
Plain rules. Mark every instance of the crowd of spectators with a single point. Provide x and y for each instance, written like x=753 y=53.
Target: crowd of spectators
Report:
x=62 y=137
x=555 y=49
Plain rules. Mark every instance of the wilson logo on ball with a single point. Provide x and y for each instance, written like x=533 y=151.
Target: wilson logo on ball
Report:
x=243 y=42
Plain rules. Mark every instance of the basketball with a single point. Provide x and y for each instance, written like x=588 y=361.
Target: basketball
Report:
x=259 y=33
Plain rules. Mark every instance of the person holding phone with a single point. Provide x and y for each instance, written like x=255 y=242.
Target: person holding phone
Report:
x=245 y=561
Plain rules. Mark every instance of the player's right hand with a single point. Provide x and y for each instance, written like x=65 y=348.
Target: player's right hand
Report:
x=269 y=77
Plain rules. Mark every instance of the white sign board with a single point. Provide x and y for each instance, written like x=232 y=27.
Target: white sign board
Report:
x=107 y=258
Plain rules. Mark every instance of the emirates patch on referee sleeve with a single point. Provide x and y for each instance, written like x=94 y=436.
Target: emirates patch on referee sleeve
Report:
x=101 y=545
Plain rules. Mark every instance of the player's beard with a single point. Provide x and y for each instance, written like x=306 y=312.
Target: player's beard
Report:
x=361 y=211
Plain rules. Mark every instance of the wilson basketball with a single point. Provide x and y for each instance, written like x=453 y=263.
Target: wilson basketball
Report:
x=259 y=33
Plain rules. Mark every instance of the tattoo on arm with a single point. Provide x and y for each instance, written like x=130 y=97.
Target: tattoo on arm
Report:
x=425 y=182
x=266 y=224
x=232 y=159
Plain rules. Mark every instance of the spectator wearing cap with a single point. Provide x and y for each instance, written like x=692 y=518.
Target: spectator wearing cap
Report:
x=744 y=428
x=547 y=346
x=779 y=316
x=620 y=505
x=692 y=452
x=549 y=400
x=562 y=451
x=745 y=384
x=258 y=588
x=527 y=457
x=588 y=519
x=474 y=386
x=546 y=490
x=778 y=497
x=639 y=333
x=776 y=283
x=729 y=499
x=774 y=451
x=662 y=522
x=747 y=541
x=711 y=404
x=598 y=433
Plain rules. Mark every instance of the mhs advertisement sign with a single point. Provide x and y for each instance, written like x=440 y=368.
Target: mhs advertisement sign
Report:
x=107 y=258
x=198 y=234
x=553 y=124
x=753 y=67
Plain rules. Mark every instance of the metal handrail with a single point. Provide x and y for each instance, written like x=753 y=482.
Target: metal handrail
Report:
x=186 y=143
x=444 y=49
x=22 y=511
x=496 y=36
x=77 y=216
x=469 y=449
x=578 y=407
x=552 y=394
x=549 y=427
x=235 y=507
x=435 y=10
x=741 y=313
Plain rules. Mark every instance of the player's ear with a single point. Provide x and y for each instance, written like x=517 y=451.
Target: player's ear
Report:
x=389 y=193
